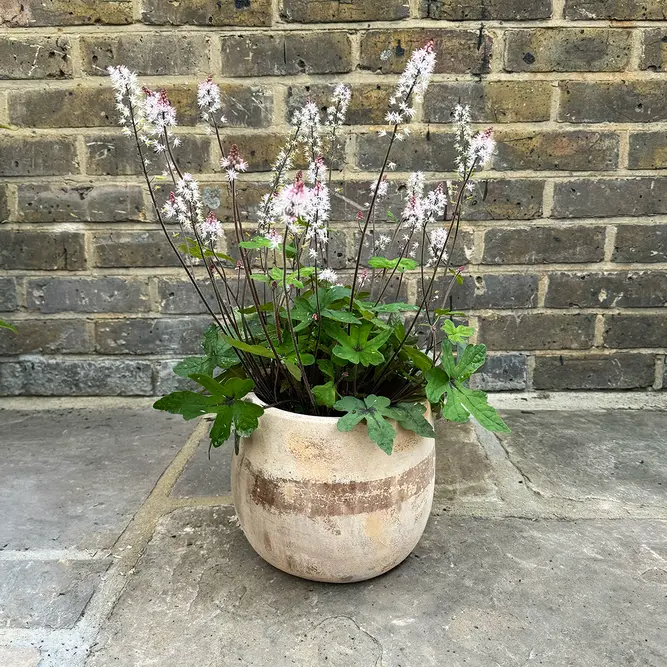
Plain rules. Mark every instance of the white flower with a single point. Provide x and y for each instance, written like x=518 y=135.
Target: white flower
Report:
x=210 y=228
x=275 y=238
x=208 y=99
x=340 y=101
x=329 y=276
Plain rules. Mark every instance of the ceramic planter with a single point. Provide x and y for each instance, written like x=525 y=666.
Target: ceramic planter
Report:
x=331 y=506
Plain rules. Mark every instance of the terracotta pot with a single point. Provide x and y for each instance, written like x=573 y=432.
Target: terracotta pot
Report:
x=331 y=506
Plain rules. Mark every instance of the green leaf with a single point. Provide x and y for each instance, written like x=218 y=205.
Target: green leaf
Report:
x=437 y=382
x=7 y=325
x=325 y=394
x=192 y=365
x=210 y=384
x=400 y=264
x=243 y=416
x=190 y=404
x=222 y=426
x=457 y=334
x=395 y=307
x=374 y=410
x=237 y=388
x=326 y=366
x=250 y=349
x=220 y=353
x=191 y=247
x=340 y=316
x=411 y=417
x=472 y=358
x=255 y=243
x=294 y=370
x=476 y=402
x=421 y=361
x=453 y=410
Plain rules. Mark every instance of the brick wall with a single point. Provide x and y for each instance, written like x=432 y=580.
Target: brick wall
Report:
x=566 y=239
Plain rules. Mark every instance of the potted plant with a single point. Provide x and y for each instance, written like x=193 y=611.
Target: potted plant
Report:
x=328 y=383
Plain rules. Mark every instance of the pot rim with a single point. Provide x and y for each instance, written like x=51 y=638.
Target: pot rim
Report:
x=298 y=415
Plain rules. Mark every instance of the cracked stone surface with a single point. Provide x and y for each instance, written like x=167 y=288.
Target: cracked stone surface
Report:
x=477 y=592
x=613 y=455
x=46 y=594
x=74 y=478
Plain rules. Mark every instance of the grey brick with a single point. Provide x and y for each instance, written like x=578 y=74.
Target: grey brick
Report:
x=619 y=10
x=88 y=295
x=630 y=330
x=76 y=377
x=593 y=198
x=514 y=199
x=654 y=51
x=286 y=53
x=648 y=150
x=537 y=331
x=177 y=296
x=37 y=156
x=640 y=243
x=567 y=50
x=493 y=291
x=32 y=13
x=544 y=245
x=51 y=336
x=206 y=13
x=4 y=207
x=620 y=101
x=80 y=203
x=129 y=249
x=638 y=289
x=36 y=57
x=458 y=51
x=306 y=11
x=47 y=251
x=489 y=101
x=150 y=54
x=570 y=151
x=618 y=371
x=8 y=301
x=485 y=10
x=167 y=381
x=502 y=372
x=150 y=336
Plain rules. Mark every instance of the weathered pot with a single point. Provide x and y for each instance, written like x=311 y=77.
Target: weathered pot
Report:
x=331 y=506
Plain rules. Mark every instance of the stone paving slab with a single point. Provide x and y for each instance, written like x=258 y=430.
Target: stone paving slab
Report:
x=74 y=478
x=612 y=455
x=19 y=656
x=46 y=594
x=476 y=592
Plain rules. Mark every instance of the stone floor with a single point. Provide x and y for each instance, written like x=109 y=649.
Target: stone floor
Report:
x=119 y=547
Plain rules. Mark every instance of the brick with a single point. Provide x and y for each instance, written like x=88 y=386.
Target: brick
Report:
x=368 y=105
x=515 y=199
x=613 y=101
x=4 y=207
x=54 y=336
x=37 y=156
x=654 y=50
x=458 y=51
x=490 y=101
x=571 y=151
x=491 y=291
x=36 y=57
x=618 y=371
x=276 y=54
x=149 y=54
x=80 y=203
x=640 y=243
x=205 y=13
x=46 y=251
x=485 y=10
x=8 y=301
x=88 y=295
x=116 y=155
x=32 y=13
x=648 y=150
x=423 y=151
x=537 y=331
x=150 y=336
x=132 y=249
x=628 y=331
x=329 y=11
x=177 y=296
x=76 y=377
x=636 y=289
x=620 y=10
x=567 y=50
x=589 y=198
x=167 y=381
x=544 y=245
x=502 y=372
x=78 y=106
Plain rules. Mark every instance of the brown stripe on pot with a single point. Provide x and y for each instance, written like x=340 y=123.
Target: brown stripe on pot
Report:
x=316 y=499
